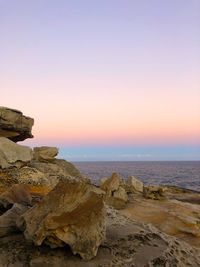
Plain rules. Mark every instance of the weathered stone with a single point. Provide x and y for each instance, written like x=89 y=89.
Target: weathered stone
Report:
x=128 y=243
x=177 y=215
x=154 y=192
x=72 y=213
x=12 y=154
x=116 y=195
x=45 y=153
x=8 y=221
x=102 y=181
x=14 y=125
x=134 y=185
x=56 y=169
x=16 y=194
x=38 y=173
x=118 y=199
x=28 y=175
x=111 y=184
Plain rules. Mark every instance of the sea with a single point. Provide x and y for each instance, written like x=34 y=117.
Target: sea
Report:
x=185 y=174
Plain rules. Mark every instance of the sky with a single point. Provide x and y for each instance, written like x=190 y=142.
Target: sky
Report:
x=105 y=80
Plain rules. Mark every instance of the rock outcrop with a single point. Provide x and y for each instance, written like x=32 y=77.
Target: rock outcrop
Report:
x=134 y=185
x=16 y=194
x=47 y=202
x=54 y=170
x=12 y=154
x=128 y=243
x=29 y=175
x=14 y=125
x=8 y=221
x=178 y=214
x=72 y=213
x=154 y=192
x=116 y=195
x=45 y=153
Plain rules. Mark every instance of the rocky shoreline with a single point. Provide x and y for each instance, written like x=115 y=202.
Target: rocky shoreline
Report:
x=51 y=215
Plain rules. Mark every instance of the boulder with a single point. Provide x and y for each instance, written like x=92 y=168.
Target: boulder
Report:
x=45 y=153
x=154 y=192
x=72 y=213
x=134 y=185
x=116 y=195
x=16 y=194
x=14 y=125
x=8 y=221
x=111 y=184
x=118 y=199
x=12 y=154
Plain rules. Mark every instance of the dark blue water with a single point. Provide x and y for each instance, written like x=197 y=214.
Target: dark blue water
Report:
x=180 y=173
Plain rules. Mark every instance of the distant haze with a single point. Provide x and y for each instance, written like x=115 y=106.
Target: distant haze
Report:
x=105 y=80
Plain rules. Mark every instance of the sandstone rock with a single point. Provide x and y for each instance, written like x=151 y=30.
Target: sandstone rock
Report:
x=111 y=184
x=56 y=169
x=8 y=221
x=102 y=181
x=118 y=199
x=45 y=153
x=177 y=215
x=72 y=213
x=28 y=175
x=16 y=194
x=134 y=185
x=154 y=192
x=12 y=154
x=128 y=243
x=38 y=173
x=116 y=195
x=14 y=125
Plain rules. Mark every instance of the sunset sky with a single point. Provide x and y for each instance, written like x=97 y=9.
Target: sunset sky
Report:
x=105 y=80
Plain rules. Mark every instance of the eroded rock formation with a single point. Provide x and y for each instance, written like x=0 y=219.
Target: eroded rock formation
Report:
x=116 y=195
x=14 y=125
x=154 y=192
x=72 y=213
x=134 y=185
x=16 y=194
x=12 y=154
x=45 y=153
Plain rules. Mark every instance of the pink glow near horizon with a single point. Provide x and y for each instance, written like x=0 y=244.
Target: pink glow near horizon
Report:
x=111 y=115
x=103 y=72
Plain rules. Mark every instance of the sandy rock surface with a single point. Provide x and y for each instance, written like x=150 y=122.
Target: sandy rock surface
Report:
x=73 y=213
x=128 y=243
x=177 y=215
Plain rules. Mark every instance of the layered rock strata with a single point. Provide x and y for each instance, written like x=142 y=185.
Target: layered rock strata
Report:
x=14 y=125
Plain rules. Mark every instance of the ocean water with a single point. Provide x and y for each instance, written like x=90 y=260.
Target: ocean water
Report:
x=180 y=173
